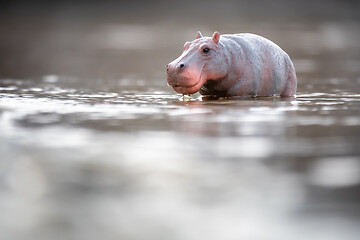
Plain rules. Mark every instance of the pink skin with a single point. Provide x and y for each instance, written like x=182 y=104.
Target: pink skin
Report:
x=232 y=65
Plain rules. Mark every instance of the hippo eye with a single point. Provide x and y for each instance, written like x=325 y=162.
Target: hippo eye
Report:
x=206 y=50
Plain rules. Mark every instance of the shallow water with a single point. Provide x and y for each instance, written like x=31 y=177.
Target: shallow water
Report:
x=79 y=163
x=104 y=149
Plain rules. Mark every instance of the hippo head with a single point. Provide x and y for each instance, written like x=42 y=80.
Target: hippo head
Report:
x=201 y=61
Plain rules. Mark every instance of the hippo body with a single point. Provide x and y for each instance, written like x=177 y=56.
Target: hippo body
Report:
x=233 y=65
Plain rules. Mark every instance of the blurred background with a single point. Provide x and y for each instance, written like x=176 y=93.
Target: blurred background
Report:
x=94 y=144
x=109 y=39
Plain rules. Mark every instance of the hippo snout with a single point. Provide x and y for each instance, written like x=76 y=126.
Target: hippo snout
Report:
x=175 y=73
x=172 y=74
x=183 y=78
x=175 y=67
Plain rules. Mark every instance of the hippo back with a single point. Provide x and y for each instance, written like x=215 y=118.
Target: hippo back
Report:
x=261 y=67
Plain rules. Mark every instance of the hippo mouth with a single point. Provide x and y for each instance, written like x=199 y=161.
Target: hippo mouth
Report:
x=189 y=89
x=185 y=86
x=184 y=89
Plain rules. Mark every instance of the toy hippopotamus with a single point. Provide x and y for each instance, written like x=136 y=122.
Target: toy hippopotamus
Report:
x=232 y=65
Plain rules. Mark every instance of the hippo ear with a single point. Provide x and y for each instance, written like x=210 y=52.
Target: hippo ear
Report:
x=216 y=37
x=198 y=35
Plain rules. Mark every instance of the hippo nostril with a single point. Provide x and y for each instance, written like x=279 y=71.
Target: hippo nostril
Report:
x=182 y=65
x=167 y=66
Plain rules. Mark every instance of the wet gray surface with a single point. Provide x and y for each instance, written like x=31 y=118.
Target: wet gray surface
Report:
x=94 y=145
